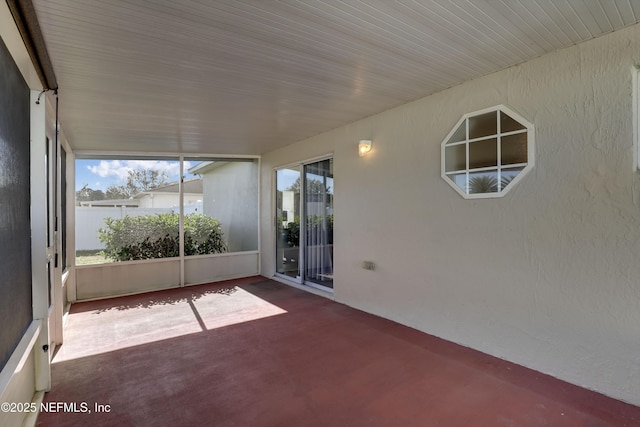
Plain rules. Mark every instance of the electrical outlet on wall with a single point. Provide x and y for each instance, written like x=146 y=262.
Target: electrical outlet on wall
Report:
x=368 y=265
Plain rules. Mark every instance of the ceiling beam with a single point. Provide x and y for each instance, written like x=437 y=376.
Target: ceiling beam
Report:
x=26 y=20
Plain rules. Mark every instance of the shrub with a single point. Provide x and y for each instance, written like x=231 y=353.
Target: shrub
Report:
x=157 y=236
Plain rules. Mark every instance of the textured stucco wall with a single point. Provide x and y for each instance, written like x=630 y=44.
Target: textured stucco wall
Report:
x=547 y=277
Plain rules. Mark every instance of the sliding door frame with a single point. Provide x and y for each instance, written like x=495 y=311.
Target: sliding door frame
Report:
x=301 y=278
x=298 y=167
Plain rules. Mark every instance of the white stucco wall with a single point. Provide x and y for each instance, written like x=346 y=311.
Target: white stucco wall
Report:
x=547 y=277
x=231 y=197
x=169 y=200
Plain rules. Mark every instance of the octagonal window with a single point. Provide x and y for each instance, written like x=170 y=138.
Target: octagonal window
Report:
x=487 y=152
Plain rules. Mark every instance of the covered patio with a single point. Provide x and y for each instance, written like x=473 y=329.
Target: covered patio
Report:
x=413 y=212
x=254 y=352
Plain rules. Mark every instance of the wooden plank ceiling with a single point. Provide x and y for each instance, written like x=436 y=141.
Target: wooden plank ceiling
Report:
x=249 y=76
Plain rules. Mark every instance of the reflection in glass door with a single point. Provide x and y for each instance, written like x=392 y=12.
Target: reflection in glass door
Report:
x=318 y=230
x=288 y=183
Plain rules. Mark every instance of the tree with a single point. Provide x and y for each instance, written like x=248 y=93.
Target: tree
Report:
x=137 y=182
x=314 y=186
x=488 y=184
x=86 y=194
x=483 y=184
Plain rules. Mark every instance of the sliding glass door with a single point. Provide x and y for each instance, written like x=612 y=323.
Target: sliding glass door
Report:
x=288 y=222
x=304 y=223
x=318 y=211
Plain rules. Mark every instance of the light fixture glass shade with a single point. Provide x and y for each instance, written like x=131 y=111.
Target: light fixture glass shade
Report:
x=364 y=146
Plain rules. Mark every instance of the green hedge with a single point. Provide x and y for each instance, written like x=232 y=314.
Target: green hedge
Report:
x=157 y=236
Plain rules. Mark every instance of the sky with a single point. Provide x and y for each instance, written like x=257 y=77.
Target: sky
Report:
x=100 y=174
x=286 y=178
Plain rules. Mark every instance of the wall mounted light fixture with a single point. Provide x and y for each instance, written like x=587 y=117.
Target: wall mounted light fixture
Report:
x=364 y=146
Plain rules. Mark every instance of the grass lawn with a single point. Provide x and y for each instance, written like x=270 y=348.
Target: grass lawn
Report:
x=90 y=257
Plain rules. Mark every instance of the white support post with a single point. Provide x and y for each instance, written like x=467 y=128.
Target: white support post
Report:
x=635 y=75
x=71 y=226
x=181 y=220
x=39 y=254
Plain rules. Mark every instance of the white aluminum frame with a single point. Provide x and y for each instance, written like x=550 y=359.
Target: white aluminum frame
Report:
x=529 y=129
x=39 y=248
x=79 y=155
x=635 y=78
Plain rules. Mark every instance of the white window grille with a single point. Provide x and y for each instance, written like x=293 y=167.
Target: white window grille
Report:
x=487 y=152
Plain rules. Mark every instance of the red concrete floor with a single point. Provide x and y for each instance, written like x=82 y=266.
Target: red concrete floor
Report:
x=254 y=352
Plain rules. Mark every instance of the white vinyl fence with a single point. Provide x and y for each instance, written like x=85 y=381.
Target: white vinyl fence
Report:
x=90 y=219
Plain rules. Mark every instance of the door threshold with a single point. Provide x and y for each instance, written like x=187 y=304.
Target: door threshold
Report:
x=309 y=288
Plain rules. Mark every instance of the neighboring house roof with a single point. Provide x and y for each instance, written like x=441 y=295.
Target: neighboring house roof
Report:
x=111 y=202
x=205 y=167
x=191 y=186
